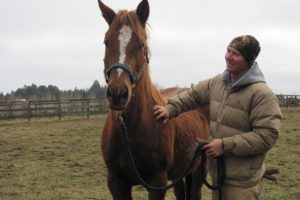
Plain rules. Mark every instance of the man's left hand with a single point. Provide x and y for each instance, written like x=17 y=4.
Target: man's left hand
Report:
x=214 y=148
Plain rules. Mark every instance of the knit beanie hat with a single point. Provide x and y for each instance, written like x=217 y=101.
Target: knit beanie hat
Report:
x=248 y=46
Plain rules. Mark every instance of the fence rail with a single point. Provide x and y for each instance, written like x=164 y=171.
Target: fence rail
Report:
x=59 y=108
x=288 y=100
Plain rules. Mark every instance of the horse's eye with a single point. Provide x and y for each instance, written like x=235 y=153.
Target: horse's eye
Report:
x=106 y=42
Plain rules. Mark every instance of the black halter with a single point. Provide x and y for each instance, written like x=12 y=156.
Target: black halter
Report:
x=125 y=67
x=134 y=79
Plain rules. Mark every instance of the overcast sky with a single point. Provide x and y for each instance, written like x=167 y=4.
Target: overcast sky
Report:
x=60 y=42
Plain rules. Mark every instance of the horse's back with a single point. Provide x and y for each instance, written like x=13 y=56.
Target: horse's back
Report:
x=169 y=92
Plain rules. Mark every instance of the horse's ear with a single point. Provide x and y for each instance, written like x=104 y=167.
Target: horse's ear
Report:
x=107 y=12
x=143 y=11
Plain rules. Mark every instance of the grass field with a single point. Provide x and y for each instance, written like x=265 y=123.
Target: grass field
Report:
x=47 y=159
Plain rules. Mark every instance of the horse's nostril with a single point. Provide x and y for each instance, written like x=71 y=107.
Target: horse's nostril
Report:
x=117 y=93
x=109 y=92
x=124 y=92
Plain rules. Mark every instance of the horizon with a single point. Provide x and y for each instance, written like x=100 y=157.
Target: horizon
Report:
x=87 y=88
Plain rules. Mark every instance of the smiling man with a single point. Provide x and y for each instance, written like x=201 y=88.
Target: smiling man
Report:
x=244 y=119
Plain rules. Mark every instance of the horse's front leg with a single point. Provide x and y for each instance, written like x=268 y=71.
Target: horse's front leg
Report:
x=179 y=190
x=197 y=183
x=119 y=188
x=158 y=180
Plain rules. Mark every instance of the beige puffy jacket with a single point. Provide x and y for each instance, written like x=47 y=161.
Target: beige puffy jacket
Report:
x=246 y=115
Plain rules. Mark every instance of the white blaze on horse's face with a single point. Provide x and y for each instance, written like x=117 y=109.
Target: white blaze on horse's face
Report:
x=124 y=38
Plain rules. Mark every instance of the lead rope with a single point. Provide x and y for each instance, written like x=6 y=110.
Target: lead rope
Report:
x=220 y=174
x=126 y=143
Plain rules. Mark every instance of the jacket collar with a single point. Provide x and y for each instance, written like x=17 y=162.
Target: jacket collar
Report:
x=251 y=76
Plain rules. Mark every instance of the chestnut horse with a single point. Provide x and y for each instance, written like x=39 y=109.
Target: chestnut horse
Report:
x=160 y=152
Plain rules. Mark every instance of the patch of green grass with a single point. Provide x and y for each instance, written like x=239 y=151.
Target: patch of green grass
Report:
x=285 y=157
x=50 y=159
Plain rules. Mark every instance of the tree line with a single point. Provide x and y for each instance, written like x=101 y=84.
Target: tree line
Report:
x=51 y=92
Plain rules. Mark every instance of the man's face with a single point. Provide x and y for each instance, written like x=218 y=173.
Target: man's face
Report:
x=235 y=62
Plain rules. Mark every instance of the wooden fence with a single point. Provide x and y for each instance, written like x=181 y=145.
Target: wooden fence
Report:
x=87 y=107
x=288 y=100
x=54 y=108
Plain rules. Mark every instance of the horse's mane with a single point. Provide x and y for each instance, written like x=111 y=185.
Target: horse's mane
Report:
x=130 y=17
x=154 y=95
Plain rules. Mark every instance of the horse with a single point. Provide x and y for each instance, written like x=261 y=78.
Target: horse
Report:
x=160 y=151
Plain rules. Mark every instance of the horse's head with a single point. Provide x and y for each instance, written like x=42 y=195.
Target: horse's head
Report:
x=126 y=52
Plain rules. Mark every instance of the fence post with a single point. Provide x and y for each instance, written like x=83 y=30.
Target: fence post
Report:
x=82 y=105
x=10 y=111
x=88 y=109
x=59 y=109
x=28 y=111
x=35 y=109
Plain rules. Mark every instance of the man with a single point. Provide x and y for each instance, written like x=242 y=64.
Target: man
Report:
x=244 y=119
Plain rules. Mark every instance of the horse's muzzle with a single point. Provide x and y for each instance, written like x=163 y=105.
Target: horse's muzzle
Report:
x=117 y=98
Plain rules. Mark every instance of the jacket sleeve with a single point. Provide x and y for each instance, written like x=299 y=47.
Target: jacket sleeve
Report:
x=265 y=119
x=196 y=96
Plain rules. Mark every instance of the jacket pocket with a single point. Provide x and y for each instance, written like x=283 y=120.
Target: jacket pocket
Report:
x=242 y=171
x=238 y=168
x=257 y=164
x=244 y=168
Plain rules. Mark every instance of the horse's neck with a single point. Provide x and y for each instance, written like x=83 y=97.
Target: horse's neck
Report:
x=145 y=97
x=140 y=107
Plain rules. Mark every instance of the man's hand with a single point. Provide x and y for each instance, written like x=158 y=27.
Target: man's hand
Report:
x=161 y=113
x=214 y=148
